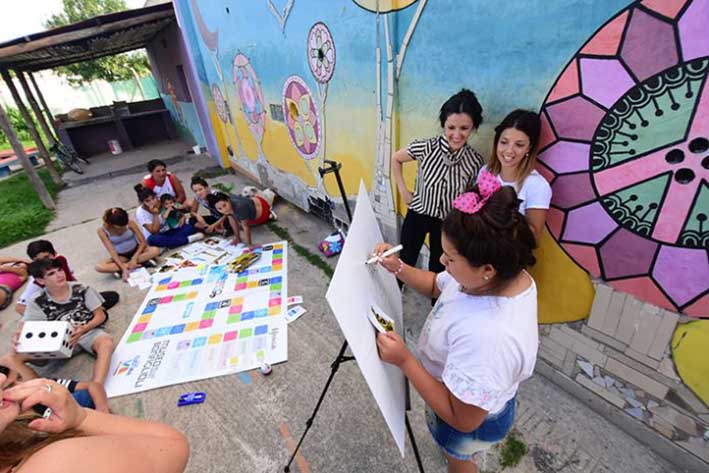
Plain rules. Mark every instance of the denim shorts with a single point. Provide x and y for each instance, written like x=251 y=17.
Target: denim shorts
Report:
x=463 y=446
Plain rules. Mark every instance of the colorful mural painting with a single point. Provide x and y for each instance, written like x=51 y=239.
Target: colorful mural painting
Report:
x=626 y=152
x=354 y=83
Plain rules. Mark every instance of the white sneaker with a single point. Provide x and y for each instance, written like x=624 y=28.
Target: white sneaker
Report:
x=195 y=237
x=273 y=215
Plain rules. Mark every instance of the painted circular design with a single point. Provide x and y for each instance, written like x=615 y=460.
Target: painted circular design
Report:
x=626 y=149
x=321 y=53
x=385 y=6
x=219 y=103
x=301 y=117
x=250 y=95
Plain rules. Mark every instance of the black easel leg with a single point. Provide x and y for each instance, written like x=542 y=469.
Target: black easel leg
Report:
x=333 y=369
x=413 y=443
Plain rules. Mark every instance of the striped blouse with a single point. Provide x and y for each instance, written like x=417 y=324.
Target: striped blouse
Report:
x=442 y=175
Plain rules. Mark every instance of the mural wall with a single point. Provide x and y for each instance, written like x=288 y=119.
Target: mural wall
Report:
x=620 y=86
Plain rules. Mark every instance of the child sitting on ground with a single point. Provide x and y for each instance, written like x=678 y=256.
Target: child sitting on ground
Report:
x=241 y=211
x=40 y=249
x=71 y=302
x=87 y=393
x=13 y=274
x=174 y=218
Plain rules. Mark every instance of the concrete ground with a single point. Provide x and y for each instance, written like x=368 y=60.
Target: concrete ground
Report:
x=250 y=423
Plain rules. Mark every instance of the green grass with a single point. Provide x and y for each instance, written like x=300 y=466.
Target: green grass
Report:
x=313 y=258
x=512 y=452
x=22 y=214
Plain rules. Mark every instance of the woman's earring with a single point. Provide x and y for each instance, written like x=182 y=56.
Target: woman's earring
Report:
x=486 y=278
x=526 y=156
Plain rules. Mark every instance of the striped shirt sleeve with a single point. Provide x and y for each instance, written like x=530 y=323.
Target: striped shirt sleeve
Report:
x=69 y=384
x=419 y=149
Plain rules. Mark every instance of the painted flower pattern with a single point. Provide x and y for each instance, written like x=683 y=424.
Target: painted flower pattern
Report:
x=321 y=53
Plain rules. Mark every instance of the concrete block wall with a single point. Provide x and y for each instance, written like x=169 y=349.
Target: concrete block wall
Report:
x=622 y=355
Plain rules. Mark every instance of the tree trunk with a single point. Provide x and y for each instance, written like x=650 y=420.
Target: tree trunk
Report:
x=36 y=182
x=43 y=153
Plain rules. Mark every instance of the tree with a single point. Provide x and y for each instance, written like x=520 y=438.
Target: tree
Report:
x=109 y=68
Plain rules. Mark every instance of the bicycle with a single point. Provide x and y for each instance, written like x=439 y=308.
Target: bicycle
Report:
x=68 y=157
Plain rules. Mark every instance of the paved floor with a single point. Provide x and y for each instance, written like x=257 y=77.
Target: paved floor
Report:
x=249 y=423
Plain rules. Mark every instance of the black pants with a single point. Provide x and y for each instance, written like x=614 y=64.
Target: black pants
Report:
x=413 y=233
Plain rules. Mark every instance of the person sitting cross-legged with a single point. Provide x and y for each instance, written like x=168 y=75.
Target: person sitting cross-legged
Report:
x=71 y=302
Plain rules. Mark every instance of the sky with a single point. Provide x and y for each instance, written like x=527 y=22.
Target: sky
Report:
x=24 y=17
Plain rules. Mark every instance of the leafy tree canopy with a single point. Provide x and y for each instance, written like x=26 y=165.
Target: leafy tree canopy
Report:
x=109 y=68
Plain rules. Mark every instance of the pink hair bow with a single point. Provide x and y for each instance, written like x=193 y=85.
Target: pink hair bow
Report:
x=472 y=202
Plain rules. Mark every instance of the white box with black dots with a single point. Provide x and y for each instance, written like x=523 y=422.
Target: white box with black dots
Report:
x=43 y=340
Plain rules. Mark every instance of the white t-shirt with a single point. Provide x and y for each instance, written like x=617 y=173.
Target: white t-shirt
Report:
x=142 y=217
x=534 y=194
x=480 y=347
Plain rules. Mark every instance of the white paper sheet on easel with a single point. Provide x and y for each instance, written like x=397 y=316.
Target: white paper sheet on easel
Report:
x=355 y=287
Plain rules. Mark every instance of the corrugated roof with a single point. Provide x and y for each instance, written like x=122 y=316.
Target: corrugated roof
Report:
x=97 y=37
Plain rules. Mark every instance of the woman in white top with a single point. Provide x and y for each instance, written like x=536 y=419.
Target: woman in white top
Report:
x=514 y=155
x=480 y=340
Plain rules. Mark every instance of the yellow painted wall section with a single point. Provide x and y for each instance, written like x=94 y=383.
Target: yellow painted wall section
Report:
x=689 y=347
x=565 y=292
x=219 y=133
x=281 y=153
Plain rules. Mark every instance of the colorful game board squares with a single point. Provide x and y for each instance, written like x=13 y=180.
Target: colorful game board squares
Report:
x=183 y=345
x=265 y=269
x=177 y=329
x=263 y=282
x=210 y=314
x=199 y=342
x=134 y=337
x=149 y=334
x=248 y=315
x=235 y=309
x=275 y=310
x=206 y=323
x=240 y=286
x=192 y=326
x=237 y=301
x=261 y=330
x=276 y=287
x=252 y=284
x=234 y=360
x=164 y=281
x=211 y=306
x=277 y=262
x=139 y=327
x=162 y=287
x=245 y=333
x=192 y=295
x=233 y=318
x=197 y=282
x=276 y=279
x=185 y=283
x=162 y=331
x=149 y=309
x=173 y=285
x=261 y=313
x=215 y=338
x=179 y=297
x=274 y=302
x=274 y=294
x=166 y=300
x=229 y=336
x=144 y=319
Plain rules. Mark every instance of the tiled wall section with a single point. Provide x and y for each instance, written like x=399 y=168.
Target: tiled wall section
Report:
x=622 y=354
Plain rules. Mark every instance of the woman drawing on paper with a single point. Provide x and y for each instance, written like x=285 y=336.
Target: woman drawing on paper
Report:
x=480 y=340
x=79 y=440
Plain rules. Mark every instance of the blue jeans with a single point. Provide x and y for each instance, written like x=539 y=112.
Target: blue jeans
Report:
x=463 y=445
x=172 y=238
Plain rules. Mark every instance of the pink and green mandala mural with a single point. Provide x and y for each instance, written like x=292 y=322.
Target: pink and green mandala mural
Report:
x=626 y=149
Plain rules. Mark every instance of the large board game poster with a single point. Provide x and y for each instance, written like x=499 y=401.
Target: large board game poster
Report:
x=205 y=321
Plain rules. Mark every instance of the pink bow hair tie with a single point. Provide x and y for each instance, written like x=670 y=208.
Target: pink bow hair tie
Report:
x=472 y=202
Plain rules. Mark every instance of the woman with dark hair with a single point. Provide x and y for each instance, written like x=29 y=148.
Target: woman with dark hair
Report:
x=79 y=440
x=213 y=222
x=125 y=243
x=238 y=211
x=162 y=182
x=446 y=166
x=153 y=225
x=514 y=155
x=480 y=340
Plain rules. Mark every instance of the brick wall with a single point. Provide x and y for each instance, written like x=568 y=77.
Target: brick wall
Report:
x=621 y=354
